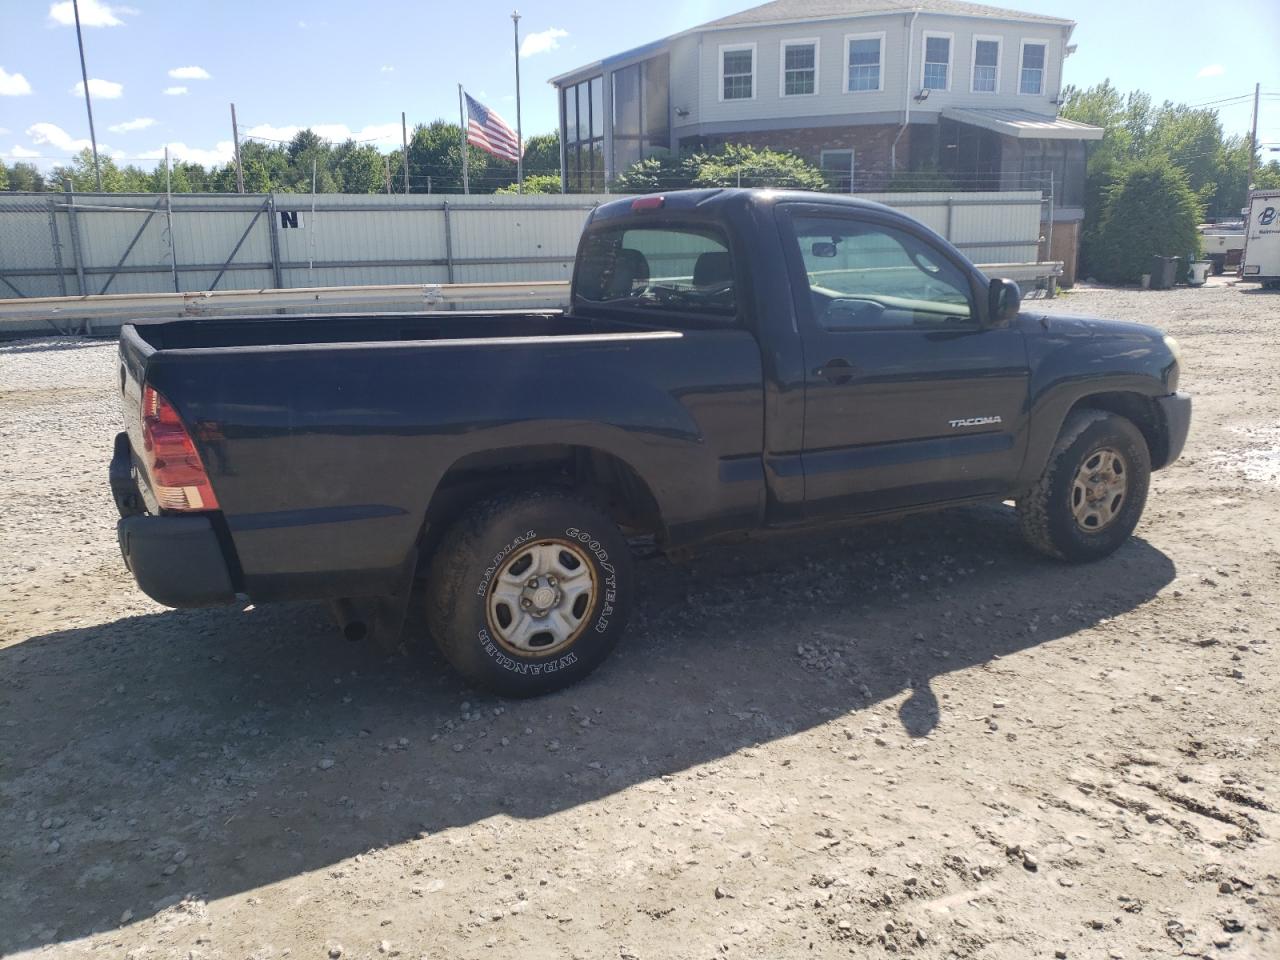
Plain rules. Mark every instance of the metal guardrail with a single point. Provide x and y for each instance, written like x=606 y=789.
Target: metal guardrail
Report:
x=67 y=315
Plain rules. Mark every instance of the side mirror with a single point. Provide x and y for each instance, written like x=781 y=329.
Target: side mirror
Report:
x=824 y=249
x=1003 y=301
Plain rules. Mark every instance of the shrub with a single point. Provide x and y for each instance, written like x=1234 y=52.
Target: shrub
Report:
x=1149 y=209
x=654 y=174
x=537 y=183
x=730 y=166
x=926 y=179
x=743 y=166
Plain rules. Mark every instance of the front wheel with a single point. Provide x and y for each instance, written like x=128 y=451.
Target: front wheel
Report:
x=1093 y=490
x=529 y=592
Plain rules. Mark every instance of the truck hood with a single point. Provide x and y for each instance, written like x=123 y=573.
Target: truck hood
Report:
x=1071 y=325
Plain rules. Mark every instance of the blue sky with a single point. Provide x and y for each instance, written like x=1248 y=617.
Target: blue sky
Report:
x=164 y=71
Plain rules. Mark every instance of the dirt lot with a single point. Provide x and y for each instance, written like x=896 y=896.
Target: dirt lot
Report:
x=916 y=739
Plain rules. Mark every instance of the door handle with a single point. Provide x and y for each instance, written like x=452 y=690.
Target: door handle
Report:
x=838 y=371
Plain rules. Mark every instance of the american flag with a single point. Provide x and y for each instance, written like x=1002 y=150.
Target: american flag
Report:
x=489 y=132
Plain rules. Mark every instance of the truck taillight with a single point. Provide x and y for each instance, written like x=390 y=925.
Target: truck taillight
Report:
x=172 y=463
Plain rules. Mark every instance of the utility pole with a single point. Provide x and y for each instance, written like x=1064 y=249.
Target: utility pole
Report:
x=515 y=24
x=235 y=139
x=1253 y=138
x=404 y=141
x=88 y=103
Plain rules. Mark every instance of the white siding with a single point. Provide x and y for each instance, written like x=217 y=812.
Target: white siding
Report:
x=705 y=106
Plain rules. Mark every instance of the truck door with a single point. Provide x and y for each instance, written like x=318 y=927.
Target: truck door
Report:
x=908 y=399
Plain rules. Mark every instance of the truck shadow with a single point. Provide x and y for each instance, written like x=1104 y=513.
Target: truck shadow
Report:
x=214 y=752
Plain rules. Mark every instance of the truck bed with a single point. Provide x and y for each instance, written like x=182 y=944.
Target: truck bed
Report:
x=325 y=437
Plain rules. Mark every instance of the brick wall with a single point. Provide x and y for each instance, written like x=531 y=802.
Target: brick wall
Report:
x=871 y=147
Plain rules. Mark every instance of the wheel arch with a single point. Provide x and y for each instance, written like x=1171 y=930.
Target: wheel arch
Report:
x=1129 y=401
x=613 y=483
x=1140 y=410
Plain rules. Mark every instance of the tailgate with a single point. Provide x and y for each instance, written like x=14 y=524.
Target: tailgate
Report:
x=135 y=353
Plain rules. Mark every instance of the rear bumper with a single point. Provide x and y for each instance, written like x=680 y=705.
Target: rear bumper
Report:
x=176 y=560
x=1176 y=410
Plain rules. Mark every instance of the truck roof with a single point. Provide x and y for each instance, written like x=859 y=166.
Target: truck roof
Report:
x=717 y=201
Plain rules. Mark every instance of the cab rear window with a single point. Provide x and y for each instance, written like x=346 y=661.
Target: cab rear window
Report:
x=687 y=270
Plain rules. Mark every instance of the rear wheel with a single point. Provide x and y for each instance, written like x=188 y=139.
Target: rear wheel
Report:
x=529 y=592
x=1093 y=489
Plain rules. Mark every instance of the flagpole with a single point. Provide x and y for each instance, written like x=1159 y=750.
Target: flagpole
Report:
x=462 y=124
x=515 y=24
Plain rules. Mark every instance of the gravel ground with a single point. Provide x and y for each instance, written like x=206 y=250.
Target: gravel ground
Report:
x=915 y=739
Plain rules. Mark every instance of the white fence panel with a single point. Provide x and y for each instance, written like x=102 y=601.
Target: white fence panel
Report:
x=62 y=244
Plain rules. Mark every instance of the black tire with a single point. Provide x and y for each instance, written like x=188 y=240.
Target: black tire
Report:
x=491 y=540
x=1047 y=512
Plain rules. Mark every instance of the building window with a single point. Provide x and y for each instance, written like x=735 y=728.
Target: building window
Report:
x=737 y=72
x=937 y=61
x=837 y=167
x=1032 y=77
x=799 y=68
x=582 y=108
x=864 y=73
x=986 y=65
x=641 y=111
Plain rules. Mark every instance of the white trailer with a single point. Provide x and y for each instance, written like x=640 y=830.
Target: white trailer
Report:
x=1260 y=262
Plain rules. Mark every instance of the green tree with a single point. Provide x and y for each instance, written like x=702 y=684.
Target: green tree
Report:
x=435 y=151
x=83 y=177
x=4 y=176
x=1150 y=209
x=359 y=168
x=26 y=178
x=542 y=154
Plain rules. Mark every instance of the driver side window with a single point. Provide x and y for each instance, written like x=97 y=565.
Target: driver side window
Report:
x=867 y=276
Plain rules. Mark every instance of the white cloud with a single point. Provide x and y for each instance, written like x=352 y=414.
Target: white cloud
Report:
x=93 y=13
x=59 y=139
x=222 y=152
x=1212 y=70
x=13 y=84
x=140 y=124
x=189 y=73
x=21 y=152
x=385 y=69
x=548 y=39
x=384 y=134
x=3 y=131
x=103 y=89
x=175 y=91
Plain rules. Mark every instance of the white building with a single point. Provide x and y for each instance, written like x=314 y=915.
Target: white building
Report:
x=868 y=89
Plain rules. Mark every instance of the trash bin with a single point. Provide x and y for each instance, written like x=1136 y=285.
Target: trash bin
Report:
x=1163 y=271
x=1198 y=272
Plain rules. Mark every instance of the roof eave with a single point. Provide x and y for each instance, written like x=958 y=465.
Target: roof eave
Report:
x=717 y=25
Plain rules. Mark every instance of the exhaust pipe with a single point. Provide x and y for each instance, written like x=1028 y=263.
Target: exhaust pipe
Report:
x=353 y=627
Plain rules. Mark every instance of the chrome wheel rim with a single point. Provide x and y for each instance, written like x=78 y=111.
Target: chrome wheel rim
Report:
x=1099 y=490
x=541 y=598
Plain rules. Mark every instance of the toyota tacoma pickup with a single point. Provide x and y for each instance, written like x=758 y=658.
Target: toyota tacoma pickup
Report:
x=730 y=361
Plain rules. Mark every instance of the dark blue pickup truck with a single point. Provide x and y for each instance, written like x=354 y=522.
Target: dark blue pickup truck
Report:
x=732 y=360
